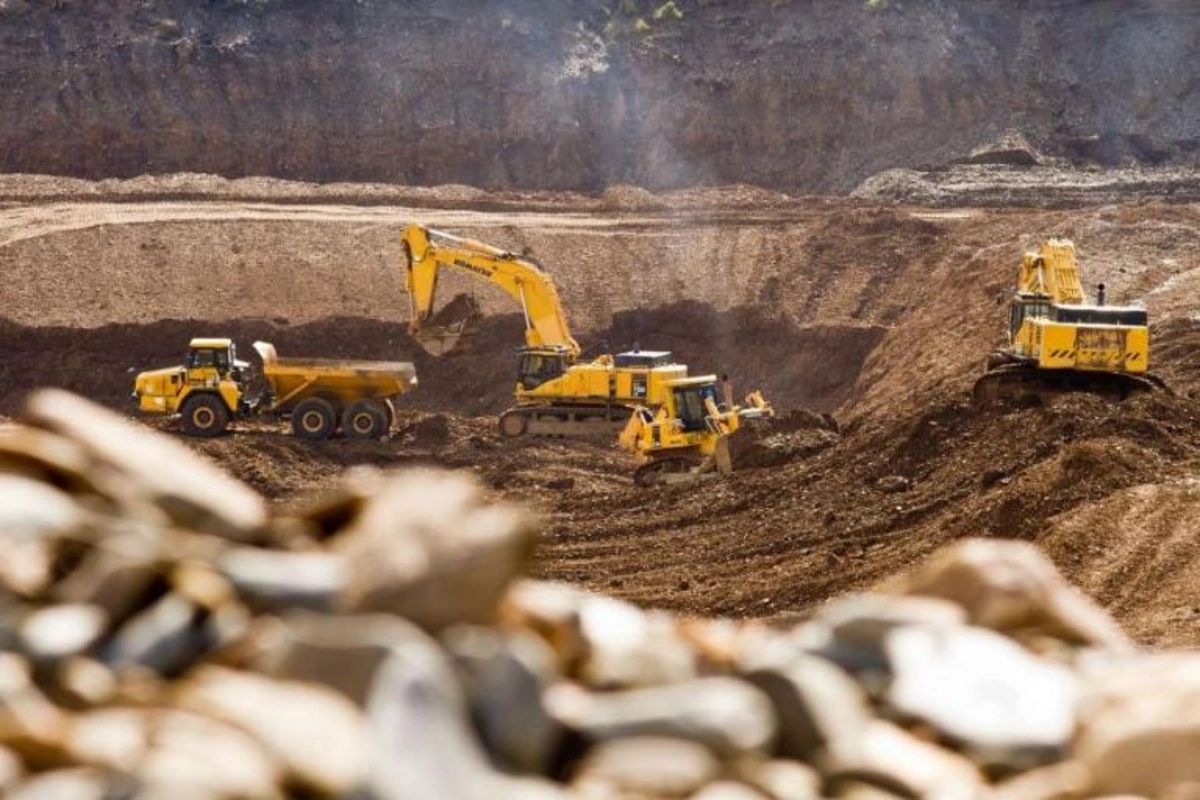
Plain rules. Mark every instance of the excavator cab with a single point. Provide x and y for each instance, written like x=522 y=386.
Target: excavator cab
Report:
x=538 y=366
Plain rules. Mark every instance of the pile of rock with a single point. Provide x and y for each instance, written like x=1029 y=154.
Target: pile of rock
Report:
x=165 y=633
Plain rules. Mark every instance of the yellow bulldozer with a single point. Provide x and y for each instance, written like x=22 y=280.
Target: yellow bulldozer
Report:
x=690 y=433
x=1057 y=341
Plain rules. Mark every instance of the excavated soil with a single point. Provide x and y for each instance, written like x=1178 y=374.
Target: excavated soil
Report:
x=878 y=314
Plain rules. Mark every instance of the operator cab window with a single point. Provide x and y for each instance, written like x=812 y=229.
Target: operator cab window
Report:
x=1016 y=316
x=689 y=406
x=201 y=358
x=536 y=369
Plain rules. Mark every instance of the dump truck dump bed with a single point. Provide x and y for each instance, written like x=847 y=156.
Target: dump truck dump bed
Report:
x=294 y=379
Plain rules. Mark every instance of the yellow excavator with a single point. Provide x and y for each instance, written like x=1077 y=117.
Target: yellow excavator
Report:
x=1059 y=342
x=557 y=392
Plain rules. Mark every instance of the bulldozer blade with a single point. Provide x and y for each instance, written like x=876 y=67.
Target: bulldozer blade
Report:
x=722 y=458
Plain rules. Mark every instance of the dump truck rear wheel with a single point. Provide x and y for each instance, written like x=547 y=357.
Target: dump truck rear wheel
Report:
x=314 y=419
x=204 y=415
x=365 y=419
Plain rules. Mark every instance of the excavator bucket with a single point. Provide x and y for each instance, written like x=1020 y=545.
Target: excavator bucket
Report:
x=446 y=329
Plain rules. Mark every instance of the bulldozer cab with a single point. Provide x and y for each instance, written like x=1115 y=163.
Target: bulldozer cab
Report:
x=538 y=366
x=691 y=402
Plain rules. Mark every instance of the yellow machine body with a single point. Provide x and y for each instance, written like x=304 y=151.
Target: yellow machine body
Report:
x=1057 y=340
x=320 y=395
x=689 y=432
x=1051 y=325
x=556 y=392
x=209 y=367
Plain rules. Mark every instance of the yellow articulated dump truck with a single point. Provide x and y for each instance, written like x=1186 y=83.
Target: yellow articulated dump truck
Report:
x=321 y=396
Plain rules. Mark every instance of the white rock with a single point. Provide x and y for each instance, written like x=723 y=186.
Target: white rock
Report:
x=628 y=647
x=422 y=746
x=726 y=714
x=780 y=779
x=645 y=765
x=505 y=679
x=1141 y=725
x=1013 y=587
x=818 y=705
x=728 y=790
x=192 y=755
x=31 y=509
x=278 y=580
x=57 y=632
x=429 y=548
x=982 y=690
x=192 y=490
x=317 y=734
x=79 y=783
x=891 y=757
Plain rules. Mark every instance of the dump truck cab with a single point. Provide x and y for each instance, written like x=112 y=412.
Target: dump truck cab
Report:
x=207 y=390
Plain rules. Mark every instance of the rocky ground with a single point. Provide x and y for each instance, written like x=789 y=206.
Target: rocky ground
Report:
x=167 y=631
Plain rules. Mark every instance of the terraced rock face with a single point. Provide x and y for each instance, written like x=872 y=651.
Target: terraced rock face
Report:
x=802 y=96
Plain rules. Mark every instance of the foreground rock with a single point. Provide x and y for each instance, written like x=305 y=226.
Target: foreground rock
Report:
x=377 y=642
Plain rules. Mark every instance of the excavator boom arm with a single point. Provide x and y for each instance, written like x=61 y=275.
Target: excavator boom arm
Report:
x=430 y=251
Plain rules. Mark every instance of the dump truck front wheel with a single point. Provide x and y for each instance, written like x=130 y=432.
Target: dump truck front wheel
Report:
x=204 y=415
x=365 y=419
x=314 y=419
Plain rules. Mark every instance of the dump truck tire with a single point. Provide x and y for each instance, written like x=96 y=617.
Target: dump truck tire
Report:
x=314 y=419
x=365 y=419
x=204 y=415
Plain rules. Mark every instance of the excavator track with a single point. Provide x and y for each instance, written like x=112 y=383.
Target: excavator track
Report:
x=1025 y=383
x=574 y=422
